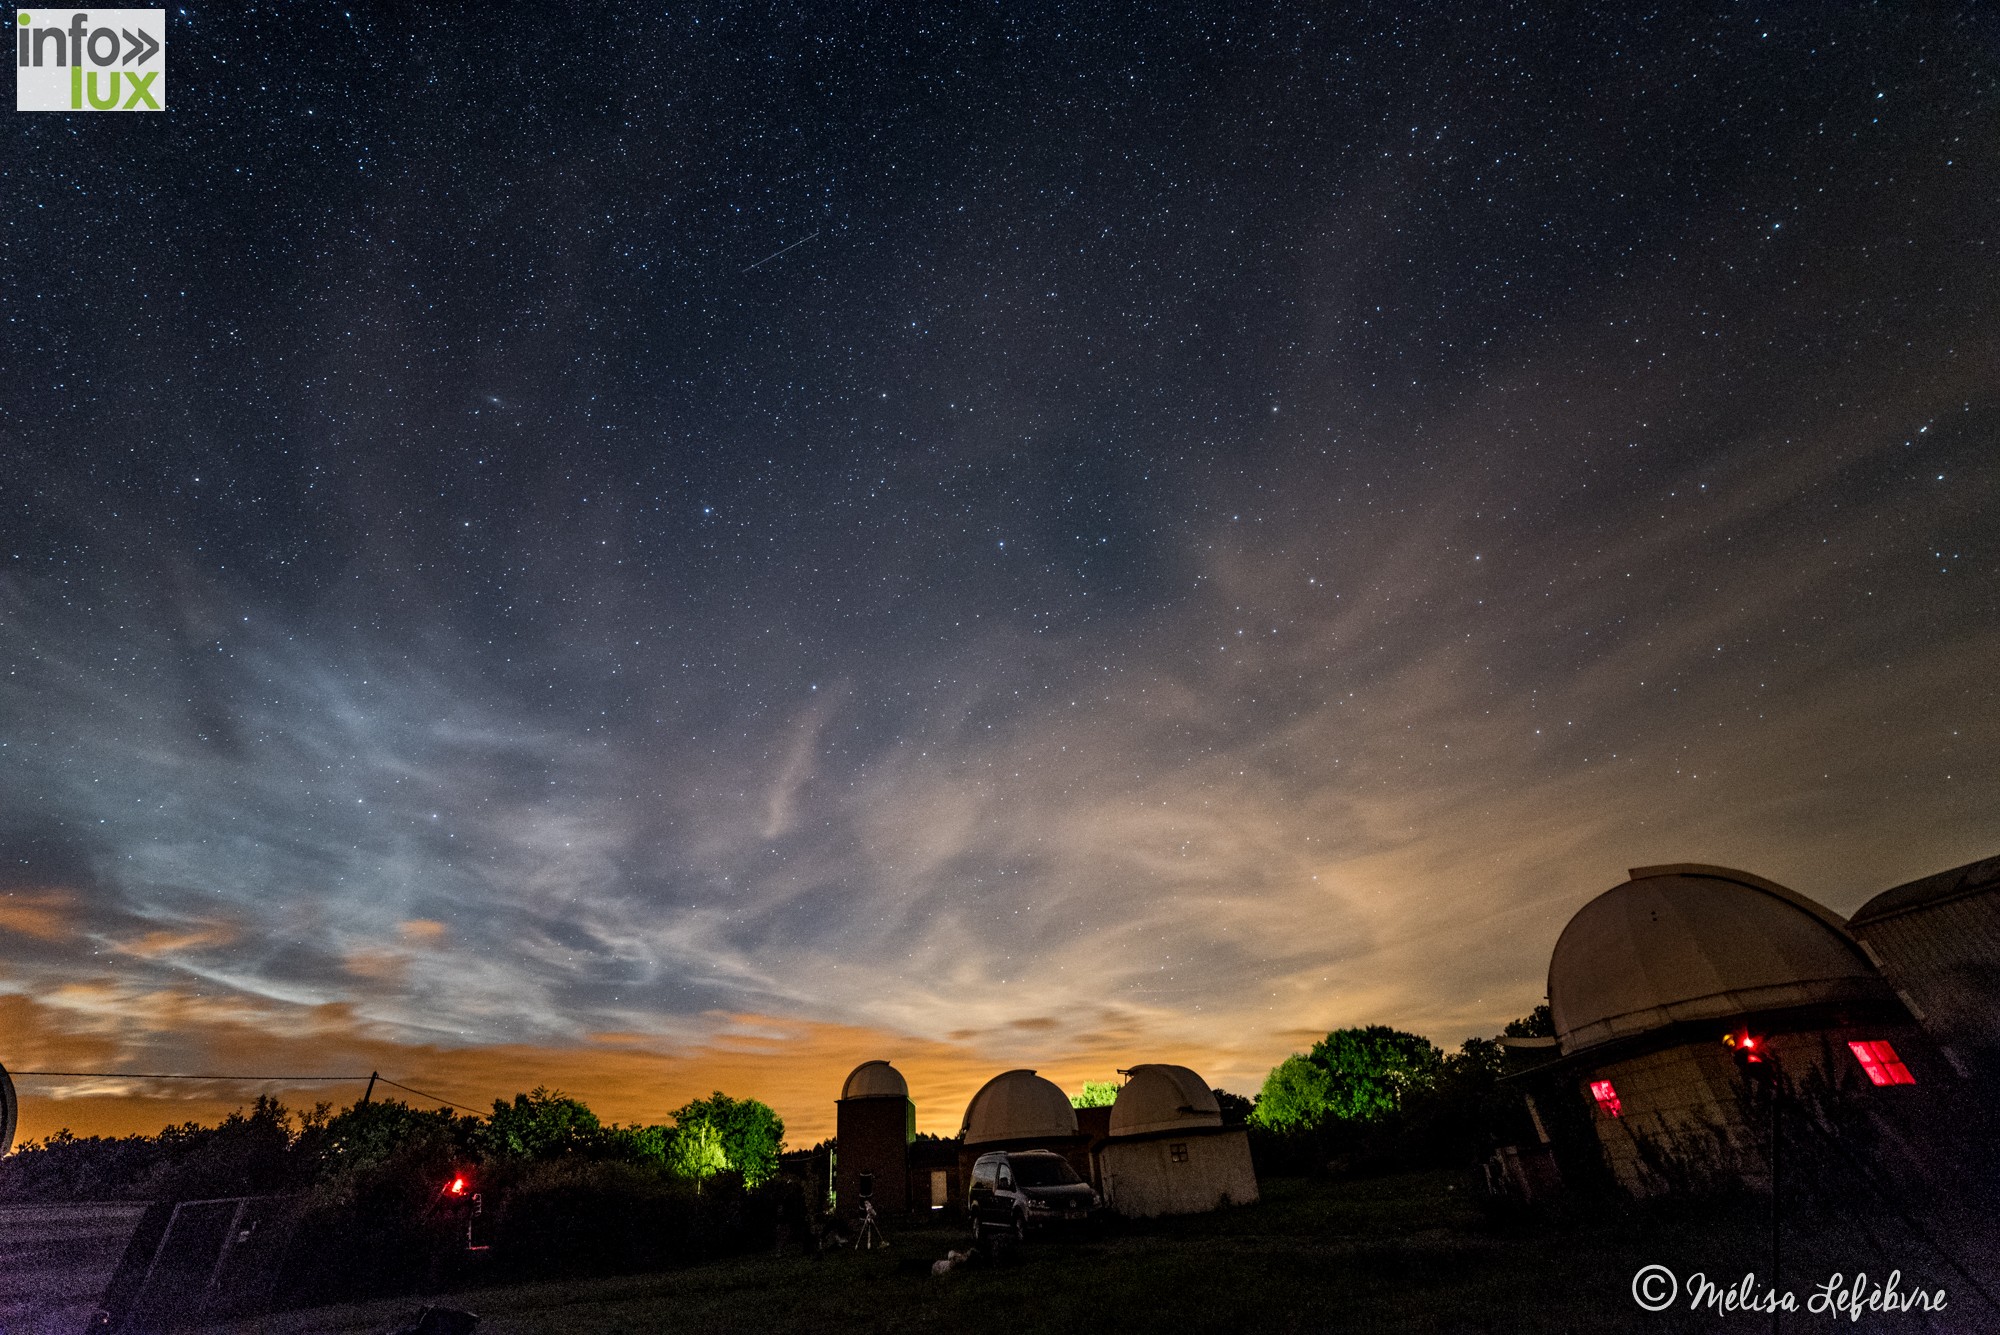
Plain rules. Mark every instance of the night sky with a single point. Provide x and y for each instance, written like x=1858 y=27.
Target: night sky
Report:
x=654 y=551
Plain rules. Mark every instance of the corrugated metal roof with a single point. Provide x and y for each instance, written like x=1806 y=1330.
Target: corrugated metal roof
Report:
x=1972 y=878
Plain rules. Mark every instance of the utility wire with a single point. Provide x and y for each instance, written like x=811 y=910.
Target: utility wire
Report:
x=432 y=1097
x=253 y=1079
x=156 y=1075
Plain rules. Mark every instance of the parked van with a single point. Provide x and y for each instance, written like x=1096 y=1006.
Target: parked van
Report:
x=1016 y=1191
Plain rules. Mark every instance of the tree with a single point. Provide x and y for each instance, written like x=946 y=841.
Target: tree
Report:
x=1296 y=1096
x=1477 y=1059
x=1096 y=1094
x=1235 y=1108
x=636 y=1144
x=1375 y=1069
x=751 y=1134
x=1351 y=1075
x=368 y=1134
x=545 y=1124
x=1537 y=1023
x=695 y=1152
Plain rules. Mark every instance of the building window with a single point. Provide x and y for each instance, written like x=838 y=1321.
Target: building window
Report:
x=940 y=1188
x=1178 y=1153
x=1607 y=1098
x=1881 y=1063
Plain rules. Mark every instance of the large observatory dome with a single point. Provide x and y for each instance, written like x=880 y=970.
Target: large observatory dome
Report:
x=1017 y=1105
x=1163 y=1098
x=875 y=1080
x=1693 y=942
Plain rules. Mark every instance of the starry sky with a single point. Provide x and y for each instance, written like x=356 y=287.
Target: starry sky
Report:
x=645 y=550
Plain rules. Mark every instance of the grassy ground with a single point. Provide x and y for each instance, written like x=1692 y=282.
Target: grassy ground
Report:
x=1403 y=1254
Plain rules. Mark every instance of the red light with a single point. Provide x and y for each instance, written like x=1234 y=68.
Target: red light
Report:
x=1879 y=1060
x=457 y=1187
x=1745 y=1044
x=1607 y=1098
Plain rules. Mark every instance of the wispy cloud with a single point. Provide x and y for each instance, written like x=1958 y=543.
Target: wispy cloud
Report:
x=1384 y=718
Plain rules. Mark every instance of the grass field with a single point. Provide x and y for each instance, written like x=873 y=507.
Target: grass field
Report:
x=1410 y=1253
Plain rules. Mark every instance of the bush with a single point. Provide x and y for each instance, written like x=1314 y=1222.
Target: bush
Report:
x=249 y=1153
x=555 y=1191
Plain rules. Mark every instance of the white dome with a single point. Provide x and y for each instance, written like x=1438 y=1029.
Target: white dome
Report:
x=1693 y=942
x=1017 y=1105
x=1158 y=1097
x=875 y=1080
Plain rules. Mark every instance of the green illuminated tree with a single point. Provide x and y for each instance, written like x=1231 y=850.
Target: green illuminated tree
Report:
x=1351 y=1075
x=1295 y=1097
x=751 y=1134
x=695 y=1152
x=1096 y=1094
x=1375 y=1069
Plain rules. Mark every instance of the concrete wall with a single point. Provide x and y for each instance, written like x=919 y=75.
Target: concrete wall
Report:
x=1166 y=1174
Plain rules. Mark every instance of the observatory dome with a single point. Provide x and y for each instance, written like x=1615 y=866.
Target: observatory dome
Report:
x=875 y=1080
x=1163 y=1098
x=1694 y=942
x=1017 y=1105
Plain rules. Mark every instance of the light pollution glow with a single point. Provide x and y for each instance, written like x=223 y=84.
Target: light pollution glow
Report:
x=1360 y=770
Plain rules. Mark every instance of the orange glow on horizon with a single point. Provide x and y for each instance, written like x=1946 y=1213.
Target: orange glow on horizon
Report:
x=795 y=1066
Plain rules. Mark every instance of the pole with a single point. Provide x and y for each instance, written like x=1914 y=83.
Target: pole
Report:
x=368 y=1094
x=1776 y=1125
x=10 y=1111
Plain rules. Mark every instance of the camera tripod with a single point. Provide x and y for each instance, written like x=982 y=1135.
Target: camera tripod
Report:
x=869 y=1236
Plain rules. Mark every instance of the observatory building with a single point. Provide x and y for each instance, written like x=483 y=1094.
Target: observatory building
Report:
x=1019 y=1110
x=1937 y=940
x=1664 y=987
x=1161 y=1148
x=1168 y=1151
x=875 y=1122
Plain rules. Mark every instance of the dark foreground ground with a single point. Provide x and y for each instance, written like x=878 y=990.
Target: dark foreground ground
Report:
x=1411 y=1253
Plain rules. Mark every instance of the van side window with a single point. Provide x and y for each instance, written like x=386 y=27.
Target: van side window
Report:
x=1006 y=1178
x=982 y=1175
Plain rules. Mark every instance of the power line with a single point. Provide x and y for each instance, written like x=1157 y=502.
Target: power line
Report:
x=432 y=1097
x=159 y=1075
x=252 y=1079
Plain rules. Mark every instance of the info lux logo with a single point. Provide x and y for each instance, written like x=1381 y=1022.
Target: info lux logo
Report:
x=90 y=60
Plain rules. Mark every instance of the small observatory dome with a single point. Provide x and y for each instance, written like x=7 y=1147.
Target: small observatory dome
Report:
x=1158 y=1097
x=1694 y=942
x=1017 y=1105
x=875 y=1080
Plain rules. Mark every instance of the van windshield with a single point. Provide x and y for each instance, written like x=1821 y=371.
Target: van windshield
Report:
x=1040 y=1172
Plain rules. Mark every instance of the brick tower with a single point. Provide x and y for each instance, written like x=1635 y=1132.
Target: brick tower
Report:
x=875 y=1123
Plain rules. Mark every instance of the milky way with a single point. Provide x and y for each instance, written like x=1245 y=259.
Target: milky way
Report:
x=646 y=553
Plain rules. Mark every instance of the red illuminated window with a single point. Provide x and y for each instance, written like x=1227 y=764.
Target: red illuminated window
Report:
x=1607 y=1098
x=1881 y=1063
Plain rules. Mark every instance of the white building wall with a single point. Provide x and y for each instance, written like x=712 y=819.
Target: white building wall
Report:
x=1168 y=1175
